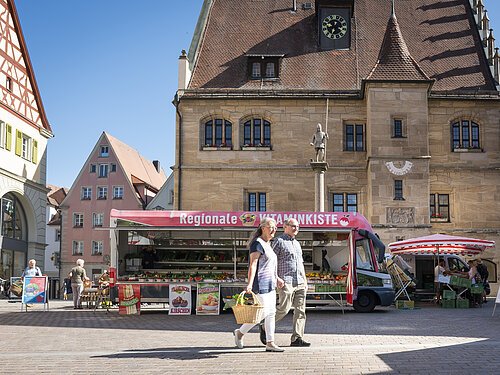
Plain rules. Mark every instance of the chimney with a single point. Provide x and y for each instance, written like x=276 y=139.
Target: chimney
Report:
x=294 y=5
x=184 y=71
x=156 y=163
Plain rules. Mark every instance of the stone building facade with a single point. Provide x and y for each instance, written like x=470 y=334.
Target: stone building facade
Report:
x=408 y=98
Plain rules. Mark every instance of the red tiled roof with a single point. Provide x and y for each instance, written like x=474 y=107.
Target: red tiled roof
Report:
x=441 y=36
x=395 y=62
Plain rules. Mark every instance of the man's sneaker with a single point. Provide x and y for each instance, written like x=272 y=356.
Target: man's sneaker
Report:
x=238 y=338
x=262 y=334
x=300 y=342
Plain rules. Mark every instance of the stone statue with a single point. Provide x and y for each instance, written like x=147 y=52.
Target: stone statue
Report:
x=319 y=142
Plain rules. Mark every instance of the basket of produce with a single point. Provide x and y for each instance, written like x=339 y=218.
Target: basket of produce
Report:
x=244 y=312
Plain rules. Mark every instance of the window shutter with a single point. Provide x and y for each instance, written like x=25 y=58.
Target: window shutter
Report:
x=19 y=142
x=34 y=154
x=8 y=137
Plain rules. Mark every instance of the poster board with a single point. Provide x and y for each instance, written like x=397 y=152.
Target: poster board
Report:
x=179 y=296
x=34 y=289
x=208 y=299
x=129 y=299
x=16 y=288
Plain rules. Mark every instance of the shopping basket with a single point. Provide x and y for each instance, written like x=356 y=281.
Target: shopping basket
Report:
x=248 y=313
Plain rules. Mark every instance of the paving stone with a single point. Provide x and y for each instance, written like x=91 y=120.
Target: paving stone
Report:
x=429 y=340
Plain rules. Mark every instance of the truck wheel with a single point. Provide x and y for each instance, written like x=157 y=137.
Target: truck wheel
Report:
x=365 y=303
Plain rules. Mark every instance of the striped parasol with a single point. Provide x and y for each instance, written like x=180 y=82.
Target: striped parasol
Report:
x=441 y=244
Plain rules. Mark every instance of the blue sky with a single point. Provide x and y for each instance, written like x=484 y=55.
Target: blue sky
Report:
x=111 y=65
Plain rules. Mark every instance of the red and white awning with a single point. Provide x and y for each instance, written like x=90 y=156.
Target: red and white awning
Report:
x=442 y=244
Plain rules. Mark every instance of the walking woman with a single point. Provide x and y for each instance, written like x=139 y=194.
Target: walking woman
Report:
x=262 y=280
x=78 y=276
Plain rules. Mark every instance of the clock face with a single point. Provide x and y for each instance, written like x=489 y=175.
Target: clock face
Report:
x=334 y=26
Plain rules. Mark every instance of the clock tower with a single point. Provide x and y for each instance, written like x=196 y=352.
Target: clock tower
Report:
x=334 y=24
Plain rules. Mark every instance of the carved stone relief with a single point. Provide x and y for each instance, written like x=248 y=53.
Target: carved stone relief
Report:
x=397 y=215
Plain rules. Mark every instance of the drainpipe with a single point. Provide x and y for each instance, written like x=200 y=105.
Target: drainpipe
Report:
x=176 y=103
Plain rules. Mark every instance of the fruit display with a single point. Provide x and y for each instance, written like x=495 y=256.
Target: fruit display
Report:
x=326 y=278
x=180 y=277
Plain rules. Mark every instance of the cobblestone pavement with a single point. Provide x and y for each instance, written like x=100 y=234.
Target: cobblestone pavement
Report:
x=428 y=340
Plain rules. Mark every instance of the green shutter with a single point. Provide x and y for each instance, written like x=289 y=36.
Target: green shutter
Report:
x=8 y=137
x=34 y=153
x=19 y=142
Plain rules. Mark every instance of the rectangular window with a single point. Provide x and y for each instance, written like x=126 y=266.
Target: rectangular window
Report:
x=86 y=193
x=92 y=168
x=345 y=202
x=257 y=201
x=102 y=192
x=78 y=220
x=218 y=132
x=440 y=207
x=96 y=247
x=465 y=134
x=267 y=133
x=256 y=131
x=228 y=137
x=58 y=235
x=247 y=133
x=97 y=219
x=398 y=190
x=104 y=151
x=354 y=137
x=397 y=128
x=77 y=247
x=103 y=170
x=117 y=192
x=8 y=83
x=113 y=167
x=3 y=134
x=256 y=70
x=208 y=133
x=270 y=70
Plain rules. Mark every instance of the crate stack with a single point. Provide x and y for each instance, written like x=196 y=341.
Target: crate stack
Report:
x=449 y=299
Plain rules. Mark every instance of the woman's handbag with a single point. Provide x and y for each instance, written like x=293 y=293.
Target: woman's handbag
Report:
x=248 y=313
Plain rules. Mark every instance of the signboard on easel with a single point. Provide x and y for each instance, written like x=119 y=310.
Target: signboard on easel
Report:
x=35 y=290
x=497 y=300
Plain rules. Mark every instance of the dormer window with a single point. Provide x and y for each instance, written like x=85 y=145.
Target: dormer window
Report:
x=263 y=66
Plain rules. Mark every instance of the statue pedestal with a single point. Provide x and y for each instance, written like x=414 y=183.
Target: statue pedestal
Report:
x=319 y=168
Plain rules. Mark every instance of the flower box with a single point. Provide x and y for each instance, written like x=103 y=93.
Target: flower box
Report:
x=256 y=148
x=215 y=148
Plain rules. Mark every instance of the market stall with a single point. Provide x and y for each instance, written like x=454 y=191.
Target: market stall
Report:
x=154 y=250
x=438 y=246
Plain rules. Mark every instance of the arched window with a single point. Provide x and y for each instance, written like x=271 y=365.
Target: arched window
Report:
x=13 y=218
x=257 y=133
x=465 y=135
x=218 y=132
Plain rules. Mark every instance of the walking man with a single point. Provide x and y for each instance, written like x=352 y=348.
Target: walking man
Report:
x=293 y=293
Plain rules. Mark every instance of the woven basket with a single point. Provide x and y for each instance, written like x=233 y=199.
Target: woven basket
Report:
x=248 y=313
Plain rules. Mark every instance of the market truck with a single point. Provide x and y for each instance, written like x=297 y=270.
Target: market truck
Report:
x=341 y=253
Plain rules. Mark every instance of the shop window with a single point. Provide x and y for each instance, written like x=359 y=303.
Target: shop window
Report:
x=344 y=202
x=257 y=201
x=354 y=137
x=465 y=135
x=440 y=207
x=218 y=133
x=13 y=218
